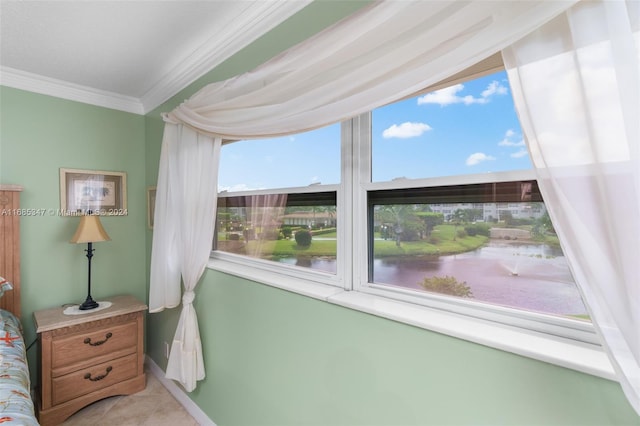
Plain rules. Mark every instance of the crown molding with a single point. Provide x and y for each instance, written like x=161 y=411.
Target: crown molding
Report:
x=36 y=83
x=256 y=20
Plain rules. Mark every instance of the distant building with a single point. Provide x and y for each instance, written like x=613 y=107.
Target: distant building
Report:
x=312 y=219
x=493 y=211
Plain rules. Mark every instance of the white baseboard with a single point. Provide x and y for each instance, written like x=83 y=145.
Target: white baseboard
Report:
x=179 y=394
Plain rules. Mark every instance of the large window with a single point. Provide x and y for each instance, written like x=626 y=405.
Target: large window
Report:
x=431 y=200
x=278 y=199
x=297 y=229
x=491 y=243
x=453 y=208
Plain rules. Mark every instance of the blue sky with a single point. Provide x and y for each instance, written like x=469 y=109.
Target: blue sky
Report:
x=466 y=128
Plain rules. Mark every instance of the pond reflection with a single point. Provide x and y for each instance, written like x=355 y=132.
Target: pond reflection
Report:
x=526 y=276
x=533 y=277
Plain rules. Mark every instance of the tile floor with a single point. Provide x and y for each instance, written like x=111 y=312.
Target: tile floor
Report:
x=154 y=406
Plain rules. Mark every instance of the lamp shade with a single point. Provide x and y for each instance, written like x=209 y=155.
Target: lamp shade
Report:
x=89 y=230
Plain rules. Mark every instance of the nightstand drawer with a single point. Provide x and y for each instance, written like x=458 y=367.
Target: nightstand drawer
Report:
x=91 y=379
x=93 y=344
x=89 y=357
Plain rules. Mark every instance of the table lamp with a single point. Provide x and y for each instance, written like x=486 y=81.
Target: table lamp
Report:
x=89 y=231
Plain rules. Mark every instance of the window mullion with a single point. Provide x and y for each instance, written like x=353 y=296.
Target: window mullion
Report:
x=344 y=207
x=361 y=176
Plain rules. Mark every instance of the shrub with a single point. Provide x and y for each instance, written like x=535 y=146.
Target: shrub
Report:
x=323 y=231
x=447 y=285
x=478 y=229
x=461 y=233
x=303 y=238
x=411 y=230
x=287 y=232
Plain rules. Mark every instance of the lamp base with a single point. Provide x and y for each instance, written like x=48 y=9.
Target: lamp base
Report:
x=88 y=304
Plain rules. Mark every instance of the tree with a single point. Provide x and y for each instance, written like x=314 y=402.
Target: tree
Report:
x=471 y=215
x=545 y=220
x=457 y=219
x=396 y=214
x=506 y=216
x=542 y=225
x=431 y=220
x=331 y=213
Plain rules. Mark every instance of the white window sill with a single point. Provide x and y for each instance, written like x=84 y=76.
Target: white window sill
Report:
x=583 y=357
x=257 y=271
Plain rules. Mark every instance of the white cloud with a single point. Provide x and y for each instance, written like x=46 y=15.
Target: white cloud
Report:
x=494 y=88
x=406 y=130
x=442 y=97
x=507 y=142
x=509 y=139
x=478 y=158
x=470 y=100
x=520 y=154
x=450 y=95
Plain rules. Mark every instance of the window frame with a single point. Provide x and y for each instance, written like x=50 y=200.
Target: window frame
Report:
x=270 y=267
x=531 y=321
x=562 y=341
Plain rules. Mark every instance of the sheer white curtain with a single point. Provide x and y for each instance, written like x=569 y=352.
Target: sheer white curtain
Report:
x=388 y=51
x=382 y=53
x=576 y=88
x=165 y=269
x=266 y=217
x=184 y=224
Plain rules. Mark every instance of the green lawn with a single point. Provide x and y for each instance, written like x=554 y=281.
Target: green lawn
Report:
x=282 y=248
x=447 y=243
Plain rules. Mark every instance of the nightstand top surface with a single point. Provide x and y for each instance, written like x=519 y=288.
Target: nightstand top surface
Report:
x=51 y=319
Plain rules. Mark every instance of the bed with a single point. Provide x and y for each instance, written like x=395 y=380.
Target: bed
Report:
x=16 y=406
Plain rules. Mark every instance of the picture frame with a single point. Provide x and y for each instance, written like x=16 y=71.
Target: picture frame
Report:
x=151 y=205
x=100 y=192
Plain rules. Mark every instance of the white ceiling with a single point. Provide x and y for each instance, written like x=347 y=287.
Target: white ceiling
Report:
x=126 y=55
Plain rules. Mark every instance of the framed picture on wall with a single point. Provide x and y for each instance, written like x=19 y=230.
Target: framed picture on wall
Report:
x=100 y=192
x=151 y=205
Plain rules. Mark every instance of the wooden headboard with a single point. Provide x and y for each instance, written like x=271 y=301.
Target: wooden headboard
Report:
x=10 y=245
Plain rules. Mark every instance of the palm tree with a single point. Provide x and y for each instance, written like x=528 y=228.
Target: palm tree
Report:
x=458 y=219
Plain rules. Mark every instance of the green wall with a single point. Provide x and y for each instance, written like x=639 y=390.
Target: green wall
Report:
x=39 y=135
x=278 y=358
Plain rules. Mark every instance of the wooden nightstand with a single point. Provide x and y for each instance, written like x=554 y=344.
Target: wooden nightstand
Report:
x=84 y=358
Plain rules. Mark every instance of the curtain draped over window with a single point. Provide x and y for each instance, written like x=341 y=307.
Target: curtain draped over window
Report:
x=576 y=86
x=385 y=52
x=266 y=213
x=187 y=196
x=388 y=51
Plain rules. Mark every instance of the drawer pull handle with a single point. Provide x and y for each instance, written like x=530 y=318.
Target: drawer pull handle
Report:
x=100 y=377
x=88 y=340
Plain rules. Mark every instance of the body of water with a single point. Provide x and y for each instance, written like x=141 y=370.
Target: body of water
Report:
x=533 y=277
